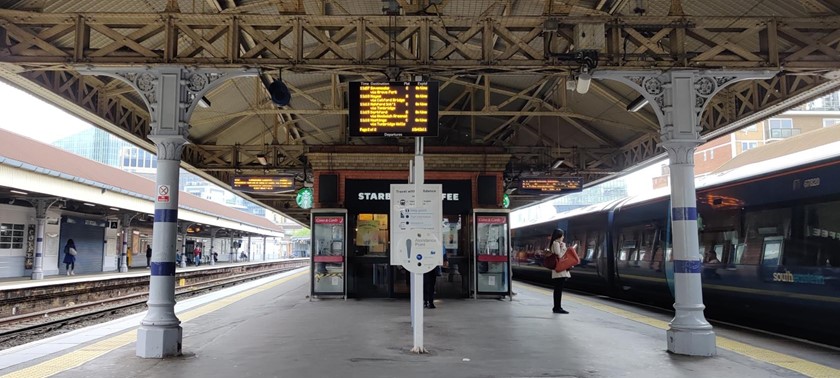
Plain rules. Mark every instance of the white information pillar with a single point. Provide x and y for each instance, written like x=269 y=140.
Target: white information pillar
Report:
x=416 y=213
x=678 y=99
x=171 y=93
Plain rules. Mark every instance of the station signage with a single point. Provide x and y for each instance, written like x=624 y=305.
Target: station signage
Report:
x=393 y=109
x=263 y=184
x=550 y=185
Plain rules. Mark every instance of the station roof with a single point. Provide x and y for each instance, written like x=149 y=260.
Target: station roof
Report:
x=21 y=152
x=503 y=67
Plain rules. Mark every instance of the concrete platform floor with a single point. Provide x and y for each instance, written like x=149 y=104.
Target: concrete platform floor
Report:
x=277 y=332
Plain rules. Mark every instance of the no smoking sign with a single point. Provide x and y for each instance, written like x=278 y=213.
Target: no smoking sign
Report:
x=163 y=194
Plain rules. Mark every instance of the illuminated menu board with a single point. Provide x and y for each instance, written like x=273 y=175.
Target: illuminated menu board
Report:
x=395 y=109
x=263 y=184
x=550 y=185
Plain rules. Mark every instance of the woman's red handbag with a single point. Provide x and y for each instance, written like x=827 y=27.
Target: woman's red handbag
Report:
x=568 y=260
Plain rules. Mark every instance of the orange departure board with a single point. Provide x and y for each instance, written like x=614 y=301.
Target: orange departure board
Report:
x=394 y=109
x=550 y=185
x=263 y=184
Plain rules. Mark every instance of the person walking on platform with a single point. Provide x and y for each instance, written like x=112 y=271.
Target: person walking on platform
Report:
x=148 y=256
x=70 y=257
x=558 y=247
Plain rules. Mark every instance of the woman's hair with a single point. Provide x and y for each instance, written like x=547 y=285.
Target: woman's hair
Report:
x=71 y=243
x=557 y=234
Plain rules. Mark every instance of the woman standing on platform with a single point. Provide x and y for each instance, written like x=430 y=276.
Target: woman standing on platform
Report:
x=558 y=247
x=70 y=257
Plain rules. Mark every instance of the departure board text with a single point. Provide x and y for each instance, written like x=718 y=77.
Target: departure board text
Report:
x=393 y=109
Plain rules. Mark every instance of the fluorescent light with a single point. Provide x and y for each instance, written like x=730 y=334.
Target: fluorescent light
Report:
x=557 y=163
x=261 y=159
x=88 y=204
x=637 y=104
x=583 y=81
x=114 y=208
x=18 y=192
x=204 y=102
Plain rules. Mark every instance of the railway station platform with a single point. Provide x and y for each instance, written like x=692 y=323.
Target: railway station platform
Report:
x=270 y=328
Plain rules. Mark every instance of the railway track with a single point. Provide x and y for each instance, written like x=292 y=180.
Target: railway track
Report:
x=21 y=329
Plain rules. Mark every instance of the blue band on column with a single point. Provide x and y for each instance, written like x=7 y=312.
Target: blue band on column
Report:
x=166 y=215
x=687 y=266
x=37 y=255
x=684 y=213
x=163 y=268
x=39 y=240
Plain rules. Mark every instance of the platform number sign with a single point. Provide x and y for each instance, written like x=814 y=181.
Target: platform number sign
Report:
x=163 y=194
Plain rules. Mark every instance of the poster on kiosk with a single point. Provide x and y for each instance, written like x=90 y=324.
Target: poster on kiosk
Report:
x=329 y=257
x=492 y=252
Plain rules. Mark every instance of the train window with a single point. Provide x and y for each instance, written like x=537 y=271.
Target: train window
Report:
x=772 y=251
x=760 y=225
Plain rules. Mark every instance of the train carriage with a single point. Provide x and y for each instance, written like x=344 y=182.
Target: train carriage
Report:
x=769 y=236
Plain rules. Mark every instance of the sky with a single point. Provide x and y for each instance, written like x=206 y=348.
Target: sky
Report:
x=27 y=115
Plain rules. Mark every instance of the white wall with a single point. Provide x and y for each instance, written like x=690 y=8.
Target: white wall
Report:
x=12 y=260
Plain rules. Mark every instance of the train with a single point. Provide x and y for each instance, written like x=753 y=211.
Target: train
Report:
x=769 y=240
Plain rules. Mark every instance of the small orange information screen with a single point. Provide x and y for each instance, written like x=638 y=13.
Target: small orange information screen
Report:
x=394 y=109
x=263 y=184
x=550 y=185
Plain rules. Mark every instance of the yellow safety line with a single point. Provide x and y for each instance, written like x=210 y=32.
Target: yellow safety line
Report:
x=81 y=356
x=804 y=367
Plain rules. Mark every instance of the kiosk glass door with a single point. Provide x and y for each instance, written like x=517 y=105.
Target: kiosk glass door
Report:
x=328 y=246
x=492 y=253
x=371 y=268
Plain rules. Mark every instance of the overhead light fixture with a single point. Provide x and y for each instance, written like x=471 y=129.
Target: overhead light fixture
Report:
x=88 y=204
x=114 y=208
x=261 y=159
x=583 y=81
x=279 y=92
x=557 y=163
x=18 y=192
x=637 y=104
x=204 y=102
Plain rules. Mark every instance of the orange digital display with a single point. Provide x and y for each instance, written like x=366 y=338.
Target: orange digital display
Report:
x=394 y=109
x=550 y=185
x=263 y=184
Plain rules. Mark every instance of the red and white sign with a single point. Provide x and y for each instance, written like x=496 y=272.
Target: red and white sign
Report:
x=491 y=220
x=329 y=220
x=163 y=194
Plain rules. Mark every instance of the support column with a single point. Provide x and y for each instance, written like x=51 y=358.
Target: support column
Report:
x=232 y=255
x=678 y=99
x=126 y=231
x=183 y=249
x=248 y=248
x=213 y=232
x=41 y=207
x=265 y=249
x=171 y=93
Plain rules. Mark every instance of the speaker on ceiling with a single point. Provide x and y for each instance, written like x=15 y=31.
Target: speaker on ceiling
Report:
x=279 y=92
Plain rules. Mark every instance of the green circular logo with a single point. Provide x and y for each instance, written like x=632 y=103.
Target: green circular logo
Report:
x=304 y=198
x=506 y=201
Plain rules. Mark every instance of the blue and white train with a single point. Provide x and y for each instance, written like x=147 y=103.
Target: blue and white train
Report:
x=769 y=238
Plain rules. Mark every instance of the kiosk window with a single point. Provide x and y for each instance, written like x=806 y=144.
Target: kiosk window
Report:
x=372 y=232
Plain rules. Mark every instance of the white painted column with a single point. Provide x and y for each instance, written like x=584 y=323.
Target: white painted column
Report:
x=213 y=232
x=183 y=249
x=678 y=98
x=265 y=248
x=41 y=207
x=126 y=236
x=171 y=93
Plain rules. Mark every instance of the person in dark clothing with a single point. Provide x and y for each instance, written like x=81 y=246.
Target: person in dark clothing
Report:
x=70 y=257
x=429 y=280
x=148 y=255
